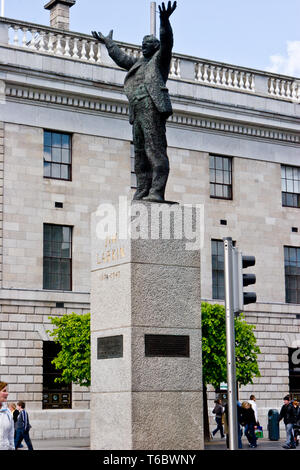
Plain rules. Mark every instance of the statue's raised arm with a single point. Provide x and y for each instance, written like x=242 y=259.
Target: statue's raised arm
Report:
x=122 y=59
x=164 y=12
x=104 y=39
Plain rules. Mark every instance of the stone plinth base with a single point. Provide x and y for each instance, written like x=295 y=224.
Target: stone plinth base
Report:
x=146 y=388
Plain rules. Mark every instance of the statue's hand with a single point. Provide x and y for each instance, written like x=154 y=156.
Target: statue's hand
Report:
x=101 y=38
x=164 y=12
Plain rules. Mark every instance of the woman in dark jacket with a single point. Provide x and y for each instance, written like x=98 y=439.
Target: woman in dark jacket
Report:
x=248 y=420
x=218 y=412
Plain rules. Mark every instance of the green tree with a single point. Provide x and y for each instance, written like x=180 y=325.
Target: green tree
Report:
x=72 y=332
x=214 y=350
x=214 y=347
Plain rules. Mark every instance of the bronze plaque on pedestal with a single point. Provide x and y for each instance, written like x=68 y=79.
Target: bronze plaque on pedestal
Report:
x=167 y=346
x=110 y=347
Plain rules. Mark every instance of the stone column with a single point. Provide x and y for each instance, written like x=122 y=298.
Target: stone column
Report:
x=60 y=13
x=146 y=390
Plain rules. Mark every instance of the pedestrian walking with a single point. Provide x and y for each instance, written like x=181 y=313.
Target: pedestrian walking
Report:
x=289 y=415
x=23 y=427
x=253 y=404
x=248 y=420
x=6 y=421
x=15 y=413
x=218 y=411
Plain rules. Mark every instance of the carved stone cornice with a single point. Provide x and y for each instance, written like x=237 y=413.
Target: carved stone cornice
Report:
x=98 y=105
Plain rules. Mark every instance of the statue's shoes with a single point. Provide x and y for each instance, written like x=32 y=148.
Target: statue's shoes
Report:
x=153 y=198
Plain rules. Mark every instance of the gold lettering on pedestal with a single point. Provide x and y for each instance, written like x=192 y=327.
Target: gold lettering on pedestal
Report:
x=113 y=251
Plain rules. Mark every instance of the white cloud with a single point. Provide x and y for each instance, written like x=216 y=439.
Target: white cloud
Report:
x=288 y=64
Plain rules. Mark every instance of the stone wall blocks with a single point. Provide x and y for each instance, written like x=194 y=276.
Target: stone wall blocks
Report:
x=42 y=310
x=26 y=326
x=25 y=379
x=33 y=388
x=11 y=379
x=16 y=335
x=11 y=361
x=26 y=309
x=18 y=387
x=263 y=320
x=25 y=344
x=25 y=361
x=35 y=318
x=38 y=396
x=34 y=353
x=11 y=343
x=35 y=370
x=34 y=335
x=38 y=379
x=9 y=326
x=280 y=380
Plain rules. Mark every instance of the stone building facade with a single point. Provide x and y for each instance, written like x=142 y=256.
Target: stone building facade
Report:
x=56 y=81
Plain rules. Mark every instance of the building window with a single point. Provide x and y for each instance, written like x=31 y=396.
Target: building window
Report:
x=57 y=155
x=290 y=186
x=292 y=274
x=220 y=171
x=294 y=372
x=57 y=257
x=133 y=183
x=217 y=258
x=55 y=394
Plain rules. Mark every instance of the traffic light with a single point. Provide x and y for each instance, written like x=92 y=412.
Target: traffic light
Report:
x=240 y=280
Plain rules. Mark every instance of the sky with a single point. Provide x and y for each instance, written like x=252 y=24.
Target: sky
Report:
x=259 y=34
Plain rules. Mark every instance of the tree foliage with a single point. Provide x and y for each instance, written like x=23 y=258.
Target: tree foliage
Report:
x=214 y=347
x=72 y=332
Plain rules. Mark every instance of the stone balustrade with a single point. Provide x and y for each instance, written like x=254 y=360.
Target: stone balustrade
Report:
x=224 y=76
x=55 y=42
x=284 y=88
x=81 y=47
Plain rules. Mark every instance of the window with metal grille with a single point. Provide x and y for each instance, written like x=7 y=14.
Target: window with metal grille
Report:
x=290 y=186
x=57 y=155
x=217 y=258
x=292 y=274
x=220 y=174
x=55 y=394
x=57 y=272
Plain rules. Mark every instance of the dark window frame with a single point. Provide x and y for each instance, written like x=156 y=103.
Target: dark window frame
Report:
x=50 y=259
x=52 y=162
x=294 y=374
x=290 y=198
x=292 y=274
x=213 y=183
x=56 y=395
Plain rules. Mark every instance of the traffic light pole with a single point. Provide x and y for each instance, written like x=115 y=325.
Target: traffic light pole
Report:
x=230 y=344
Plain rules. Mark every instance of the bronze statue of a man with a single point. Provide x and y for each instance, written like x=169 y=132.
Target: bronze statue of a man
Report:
x=149 y=105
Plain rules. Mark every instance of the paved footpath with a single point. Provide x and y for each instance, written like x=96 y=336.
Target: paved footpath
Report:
x=216 y=444
x=262 y=444
x=60 y=444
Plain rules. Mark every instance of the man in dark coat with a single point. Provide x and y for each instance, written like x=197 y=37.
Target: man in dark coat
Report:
x=149 y=104
x=289 y=414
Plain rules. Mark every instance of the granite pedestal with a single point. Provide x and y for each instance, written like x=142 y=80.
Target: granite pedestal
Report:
x=146 y=390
